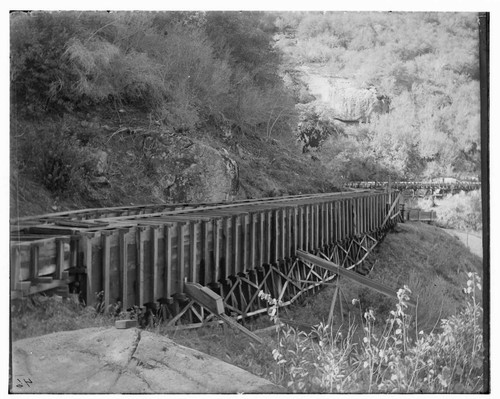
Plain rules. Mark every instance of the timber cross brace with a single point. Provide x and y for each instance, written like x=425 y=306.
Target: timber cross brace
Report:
x=142 y=254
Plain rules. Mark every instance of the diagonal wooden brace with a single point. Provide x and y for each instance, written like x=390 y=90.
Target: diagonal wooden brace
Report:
x=213 y=302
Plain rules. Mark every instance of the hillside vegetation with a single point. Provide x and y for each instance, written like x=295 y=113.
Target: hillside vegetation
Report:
x=134 y=107
x=426 y=64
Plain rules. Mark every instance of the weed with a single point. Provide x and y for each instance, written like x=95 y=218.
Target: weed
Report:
x=388 y=362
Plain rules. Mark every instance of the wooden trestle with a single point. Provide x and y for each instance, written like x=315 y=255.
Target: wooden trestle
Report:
x=141 y=254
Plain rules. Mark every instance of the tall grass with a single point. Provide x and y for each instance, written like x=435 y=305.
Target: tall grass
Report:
x=396 y=359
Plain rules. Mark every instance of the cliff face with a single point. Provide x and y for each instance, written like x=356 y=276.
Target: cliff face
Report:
x=344 y=101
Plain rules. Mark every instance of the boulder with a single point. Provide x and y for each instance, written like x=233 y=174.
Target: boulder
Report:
x=110 y=360
x=199 y=173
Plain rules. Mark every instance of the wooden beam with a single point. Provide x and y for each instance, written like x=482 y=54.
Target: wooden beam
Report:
x=396 y=201
x=169 y=283
x=123 y=248
x=140 y=264
x=304 y=256
x=106 y=265
x=156 y=265
x=205 y=297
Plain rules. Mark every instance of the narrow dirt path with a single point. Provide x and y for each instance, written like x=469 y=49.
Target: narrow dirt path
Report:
x=473 y=241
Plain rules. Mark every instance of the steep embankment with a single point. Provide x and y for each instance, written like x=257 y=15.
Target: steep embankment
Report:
x=124 y=160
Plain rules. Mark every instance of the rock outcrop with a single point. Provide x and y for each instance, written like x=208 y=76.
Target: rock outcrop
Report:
x=197 y=172
x=98 y=360
x=345 y=102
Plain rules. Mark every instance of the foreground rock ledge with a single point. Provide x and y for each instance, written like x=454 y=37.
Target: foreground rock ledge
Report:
x=108 y=360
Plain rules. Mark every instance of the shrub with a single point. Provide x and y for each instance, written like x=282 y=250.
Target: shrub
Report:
x=390 y=362
x=55 y=157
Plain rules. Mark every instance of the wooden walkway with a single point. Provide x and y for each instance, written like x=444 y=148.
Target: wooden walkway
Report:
x=145 y=254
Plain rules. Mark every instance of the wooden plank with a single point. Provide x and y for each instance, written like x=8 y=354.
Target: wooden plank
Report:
x=87 y=263
x=181 y=229
x=375 y=285
x=245 y=227
x=15 y=266
x=327 y=223
x=205 y=239
x=253 y=242
x=283 y=233
x=155 y=263
x=60 y=257
x=215 y=273
x=233 y=323
x=306 y=227
x=205 y=297
x=140 y=264
x=227 y=247
x=301 y=244
x=169 y=278
x=261 y=238
x=269 y=233
x=394 y=204
x=193 y=243
x=295 y=231
x=106 y=265
x=323 y=220
x=276 y=234
x=318 y=227
x=123 y=248
x=34 y=260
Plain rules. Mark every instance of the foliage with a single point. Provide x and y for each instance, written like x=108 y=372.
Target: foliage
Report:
x=427 y=63
x=397 y=360
x=54 y=155
x=184 y=68
x=461 y=211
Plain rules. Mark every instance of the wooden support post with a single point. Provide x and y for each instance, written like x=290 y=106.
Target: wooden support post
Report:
x=87 y=263
x=295 y=231
x=216 y=247
x=307 y=247
x=269 y=233
x=236 y=263
x=106 y=265
x=206 y=252
x=327 y=223
x=262 y=238
x=34 y=252
x=245 y=229
x=276 y=234
x=301 y=244
x=193 y=244
x=253 y=242
x=123 y=248
x=60 y=257
x=15 y=266
x=154 y=258
x=227 y=248
x=181 y=228
x=283 y=232
x=140 y=264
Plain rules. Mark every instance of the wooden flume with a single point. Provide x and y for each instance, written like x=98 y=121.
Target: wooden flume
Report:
x=235 y=250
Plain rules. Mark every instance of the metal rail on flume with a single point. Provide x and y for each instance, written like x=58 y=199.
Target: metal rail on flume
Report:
x=199 y=259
